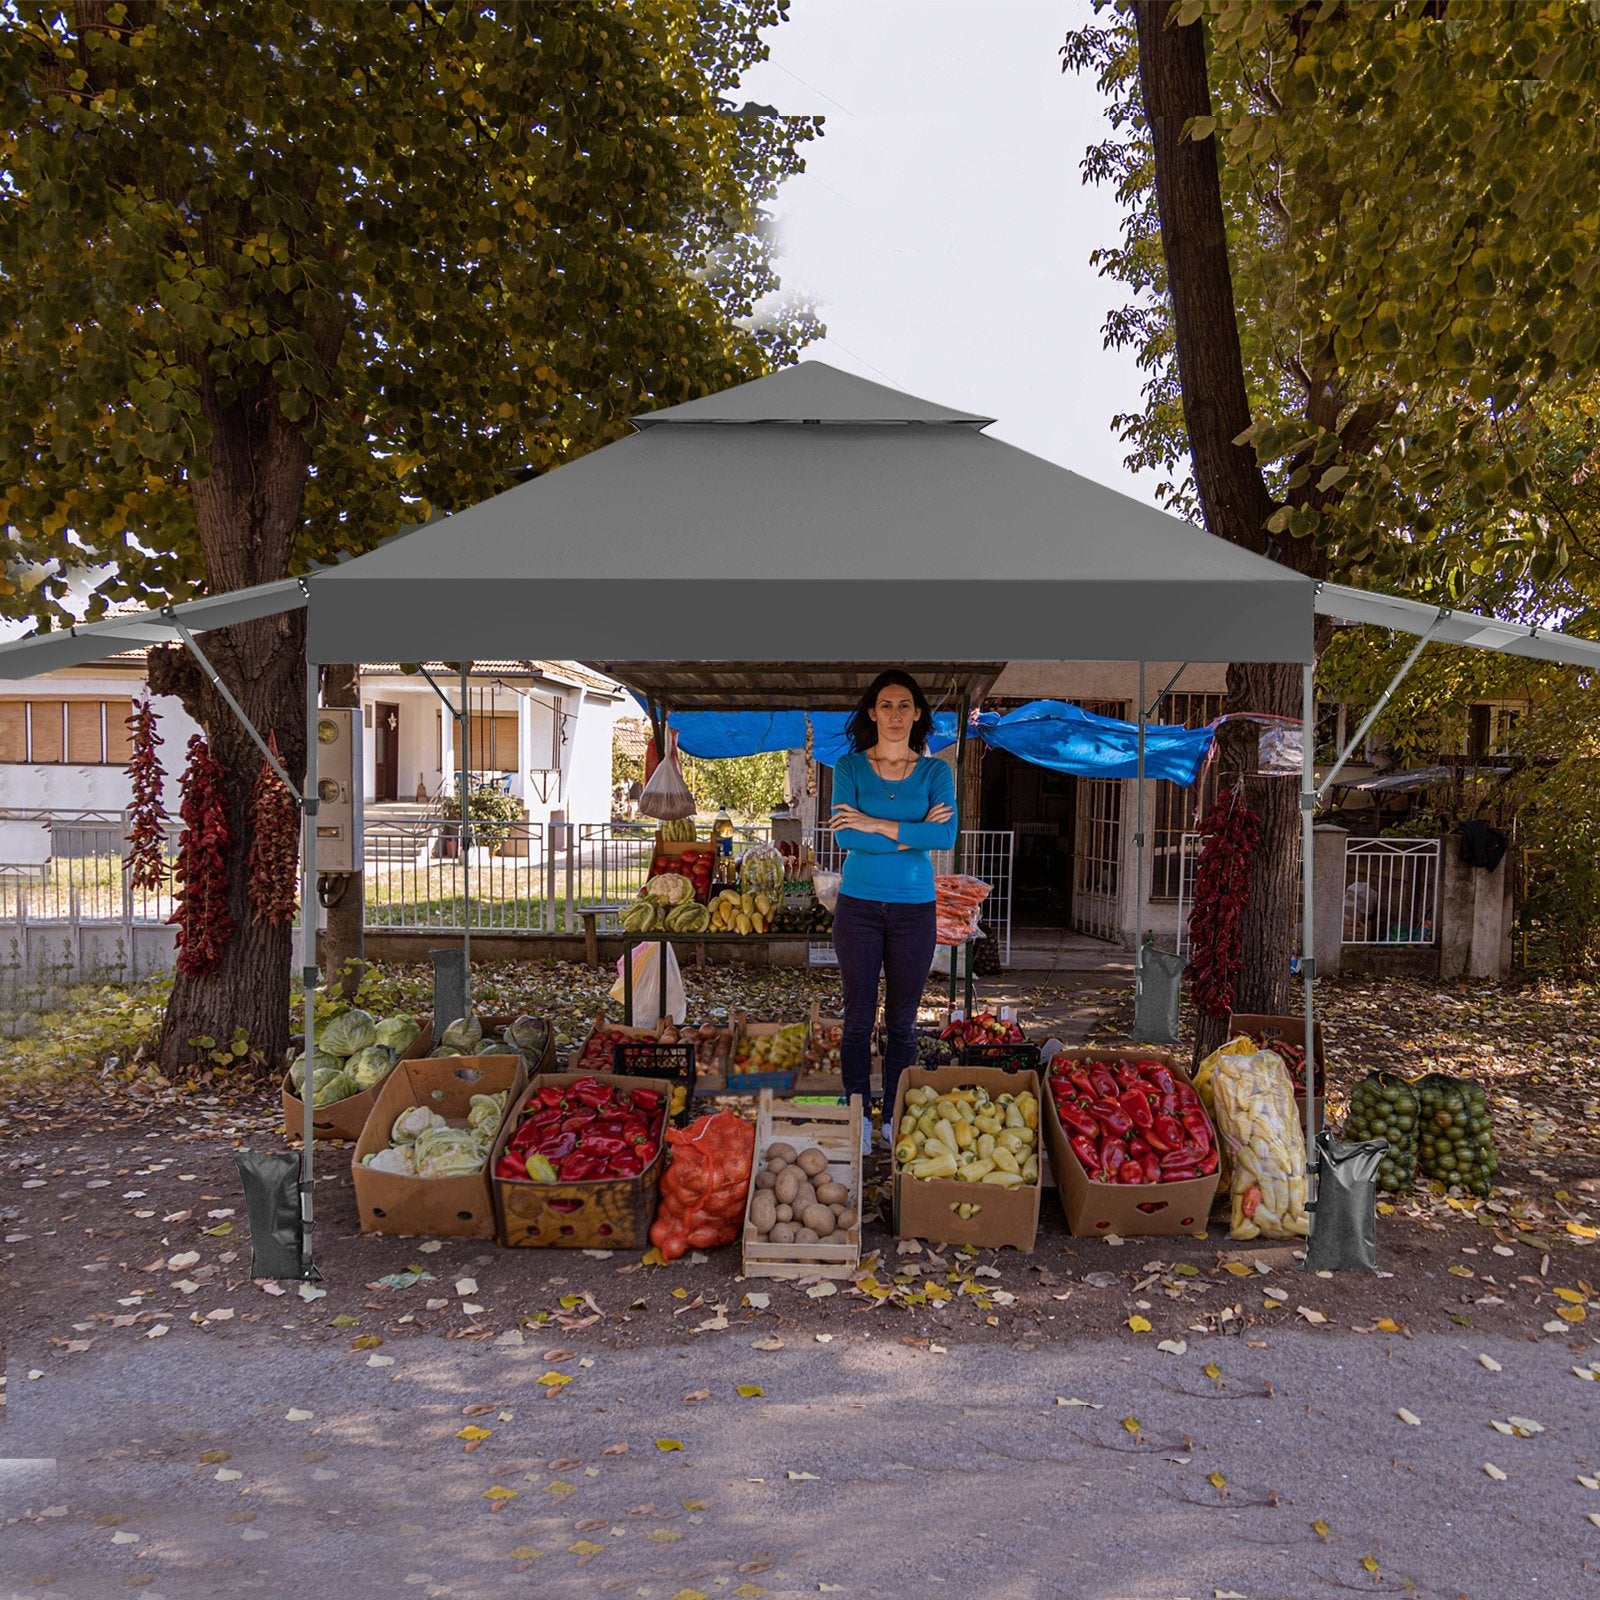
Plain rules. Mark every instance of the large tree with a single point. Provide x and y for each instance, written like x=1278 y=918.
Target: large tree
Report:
x=277 y=279
x=1361 y=241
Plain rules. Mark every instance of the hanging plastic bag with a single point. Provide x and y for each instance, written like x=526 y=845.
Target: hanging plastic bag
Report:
x=666 y=796
x=1155 y=1004
x=647 y=990
x=1344 y=1228
x=1265 y=1143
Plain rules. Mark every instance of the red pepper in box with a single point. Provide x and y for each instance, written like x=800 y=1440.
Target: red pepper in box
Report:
x=1084 y=1149
x=1151 y=1129
x=589 y=1131
x=1136 y=1106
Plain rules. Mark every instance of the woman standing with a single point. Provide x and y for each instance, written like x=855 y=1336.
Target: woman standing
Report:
x=892 y=804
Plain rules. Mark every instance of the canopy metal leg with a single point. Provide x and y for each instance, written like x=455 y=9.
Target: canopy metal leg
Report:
x=464 y=731
x=1308 y=965
x=308 y=969
x=1138 y=870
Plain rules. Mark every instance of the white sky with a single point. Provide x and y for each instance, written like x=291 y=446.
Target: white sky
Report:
x=942 y=223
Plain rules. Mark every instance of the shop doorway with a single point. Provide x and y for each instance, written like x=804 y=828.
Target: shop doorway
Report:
x=385 y=751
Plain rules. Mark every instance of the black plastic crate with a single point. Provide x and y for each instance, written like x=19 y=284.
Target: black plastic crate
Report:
x=1007 y=1057
x=647 y=1058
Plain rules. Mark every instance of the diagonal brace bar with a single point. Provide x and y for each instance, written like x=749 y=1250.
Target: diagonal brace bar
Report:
x=1308 y=732
x=238 y=711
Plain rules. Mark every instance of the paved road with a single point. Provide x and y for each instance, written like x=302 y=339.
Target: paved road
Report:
x=933 y=1474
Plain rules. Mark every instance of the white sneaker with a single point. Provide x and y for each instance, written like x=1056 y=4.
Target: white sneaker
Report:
x=888 y=1133
x=866 y=1136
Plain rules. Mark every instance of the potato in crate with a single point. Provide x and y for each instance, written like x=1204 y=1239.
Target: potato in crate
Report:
x=802 y=1217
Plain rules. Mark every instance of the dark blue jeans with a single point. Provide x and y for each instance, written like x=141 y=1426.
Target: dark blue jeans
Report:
x=873 y=936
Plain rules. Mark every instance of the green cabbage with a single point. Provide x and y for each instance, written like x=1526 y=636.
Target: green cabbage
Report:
x=528 y=1034
x=328 y=1087
x=496 y=1047
x=484 y=1113
x=348 y=1032
x=398 y=1033
x=463 y=1035
x=446 y=1152
x=371 y=1066
x=321 y=1062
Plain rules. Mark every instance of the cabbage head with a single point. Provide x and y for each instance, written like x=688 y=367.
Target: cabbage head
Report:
x=371 y=1066
x=528 y=1034
x=330 y=1087
x=397 y=1033
x=321 y=1062
x=348 y=1032
x=413 y=1121
x=447 y=1152
x=463 y=1035
x=396 y=1159
x=484 y=1113
x=496 y=1047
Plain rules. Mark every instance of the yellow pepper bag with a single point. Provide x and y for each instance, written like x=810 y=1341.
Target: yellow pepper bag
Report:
x=1266 y=1145
x=1240 y=1045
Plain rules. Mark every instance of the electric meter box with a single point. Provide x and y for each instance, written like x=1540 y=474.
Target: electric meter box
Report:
x=338 y=818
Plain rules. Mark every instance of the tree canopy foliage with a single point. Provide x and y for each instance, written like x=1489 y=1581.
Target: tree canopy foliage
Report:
x=1415 y=250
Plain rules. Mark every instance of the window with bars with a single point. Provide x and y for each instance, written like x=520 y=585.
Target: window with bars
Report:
x=75 y=733
x=1178 y=811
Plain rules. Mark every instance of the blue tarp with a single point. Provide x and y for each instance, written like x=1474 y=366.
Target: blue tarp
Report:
x=1046 y=733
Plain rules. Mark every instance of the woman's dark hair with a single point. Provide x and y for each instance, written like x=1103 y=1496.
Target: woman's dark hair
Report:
x=863 y=731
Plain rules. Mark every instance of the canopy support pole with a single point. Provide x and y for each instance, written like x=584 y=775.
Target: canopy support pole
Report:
x=956 y=853
x=463 y=734
x=1138 y=845
x=1308 y=966
x=308 y=970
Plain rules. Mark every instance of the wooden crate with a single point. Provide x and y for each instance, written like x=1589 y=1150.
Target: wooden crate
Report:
x=836 y=1131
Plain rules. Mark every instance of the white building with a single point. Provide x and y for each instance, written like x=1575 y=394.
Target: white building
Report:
x=543 y=725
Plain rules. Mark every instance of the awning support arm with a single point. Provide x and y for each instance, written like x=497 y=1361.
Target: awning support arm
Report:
x=244 y=721
x=444 y=698
x=1156 y=706
x=1308 y=729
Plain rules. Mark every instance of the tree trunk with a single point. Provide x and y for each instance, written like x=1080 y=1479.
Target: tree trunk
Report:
x=248 y=493
x=1233 y=493
x=343 y=949
x=262 y=664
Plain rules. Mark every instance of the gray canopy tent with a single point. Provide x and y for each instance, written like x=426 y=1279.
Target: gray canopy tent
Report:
x=776 y=541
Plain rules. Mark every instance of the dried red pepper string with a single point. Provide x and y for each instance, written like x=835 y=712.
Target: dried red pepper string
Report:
x=1223 y=880
x=203 y=920
x=274 y=846
x=146 y=838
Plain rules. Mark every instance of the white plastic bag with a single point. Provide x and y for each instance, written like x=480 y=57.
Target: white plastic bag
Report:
x=647 y=991
x=666 y=796
x=825 y=885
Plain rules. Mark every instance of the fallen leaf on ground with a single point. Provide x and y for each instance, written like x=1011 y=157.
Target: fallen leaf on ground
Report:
x=1139 y=1324
x=1494 y=1472
x=802 y=1477
x=750 y=1391
x=1173 y=1347
x=1489 y=1364
x=821 y=1291
x=1409 y=1417
x=669 y=1444
x=766 y=1344
x=1089 y=1403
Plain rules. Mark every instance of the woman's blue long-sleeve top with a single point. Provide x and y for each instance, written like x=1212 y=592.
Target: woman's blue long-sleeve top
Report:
x=877 y=868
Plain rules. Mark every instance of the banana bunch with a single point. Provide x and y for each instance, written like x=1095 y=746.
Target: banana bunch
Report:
x=733 y=912
x=969 y=1135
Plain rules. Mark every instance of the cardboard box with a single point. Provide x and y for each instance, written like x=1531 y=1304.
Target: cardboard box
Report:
x=1268 y=1031
x=342 y=1121
x=598 y=1214
x=836 y=1131
x=922 y=1206
x=1129 y=1210
x=457 y=1208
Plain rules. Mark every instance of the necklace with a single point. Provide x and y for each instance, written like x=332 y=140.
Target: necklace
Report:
x=913 y=758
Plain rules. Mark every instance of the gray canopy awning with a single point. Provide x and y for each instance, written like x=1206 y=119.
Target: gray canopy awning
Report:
x=811 y=516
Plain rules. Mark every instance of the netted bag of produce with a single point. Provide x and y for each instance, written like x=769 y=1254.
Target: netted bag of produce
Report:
x=1383 y=1106
x=1255 y=1114
x=704 y=1187
x=1455 y=1142
x=1239 y=1045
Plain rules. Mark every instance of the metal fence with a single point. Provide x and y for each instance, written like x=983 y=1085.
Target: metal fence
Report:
x=1391 y=891
x=530 y=879
x=985 y=853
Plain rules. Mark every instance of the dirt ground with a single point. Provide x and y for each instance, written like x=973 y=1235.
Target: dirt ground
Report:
x=122 y=1214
